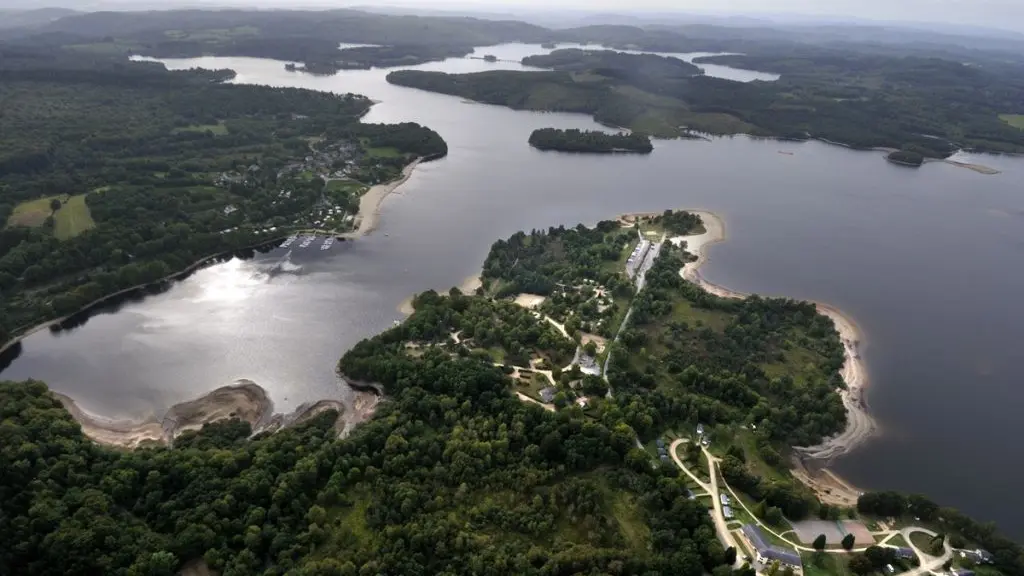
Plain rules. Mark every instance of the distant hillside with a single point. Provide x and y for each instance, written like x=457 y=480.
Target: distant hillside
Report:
x=32 y=18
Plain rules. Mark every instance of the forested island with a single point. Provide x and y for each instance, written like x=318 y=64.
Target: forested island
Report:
x=574 y=140
x=461 y=470
x=141 y=172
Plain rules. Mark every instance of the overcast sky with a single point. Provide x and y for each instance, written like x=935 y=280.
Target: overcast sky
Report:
x=1004 y=14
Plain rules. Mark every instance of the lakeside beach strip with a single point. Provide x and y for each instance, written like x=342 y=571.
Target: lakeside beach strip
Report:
x=860 y=425
x=371 y=202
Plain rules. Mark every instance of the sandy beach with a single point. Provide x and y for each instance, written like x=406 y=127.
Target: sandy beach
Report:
x=244 y=399
x=470 y=285
x=370 y=202
x=860 y=425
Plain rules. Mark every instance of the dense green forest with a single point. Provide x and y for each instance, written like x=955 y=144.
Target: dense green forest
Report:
x=115 y=174
x=452 y=476
x=928 y=106
x=589 y=141
x=863 y=87
x=310 y=37
x=579 y=271
x=627 y=67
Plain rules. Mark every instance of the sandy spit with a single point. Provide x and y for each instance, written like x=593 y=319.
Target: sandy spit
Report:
x=860 y=425
x=370 y=203
x=244 y=399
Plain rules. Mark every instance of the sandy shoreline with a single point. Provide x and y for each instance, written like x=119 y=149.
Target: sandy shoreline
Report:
x=244 y=400
x=370 y=203
x=468 y=287
x=860 y=425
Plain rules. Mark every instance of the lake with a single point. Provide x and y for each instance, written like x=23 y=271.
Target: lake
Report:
x=925 y=260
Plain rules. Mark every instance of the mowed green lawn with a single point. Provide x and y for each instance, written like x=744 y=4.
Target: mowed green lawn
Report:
x=72 y=219
x=1015 y=120
x=31 y=214
x=383 y=152
x=218 y=129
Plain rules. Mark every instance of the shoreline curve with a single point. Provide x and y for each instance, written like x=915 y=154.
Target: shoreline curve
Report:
x=860 y=425
x=245 y=400
x=371 y=202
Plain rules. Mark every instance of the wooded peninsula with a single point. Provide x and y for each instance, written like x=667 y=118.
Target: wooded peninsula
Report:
x=461 y=471
x=594 y=141
x=116 y=174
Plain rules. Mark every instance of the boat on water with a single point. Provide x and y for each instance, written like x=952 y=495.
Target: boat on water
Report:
x=307 y=241
x=289 y=241
x=327 y=244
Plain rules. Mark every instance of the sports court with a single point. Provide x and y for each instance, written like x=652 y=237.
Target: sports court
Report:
x=808 y=530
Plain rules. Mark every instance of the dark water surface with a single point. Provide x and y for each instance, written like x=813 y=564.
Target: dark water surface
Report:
x=927 y=262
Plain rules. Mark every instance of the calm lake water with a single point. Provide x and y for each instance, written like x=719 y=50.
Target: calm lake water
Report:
x=927 y=261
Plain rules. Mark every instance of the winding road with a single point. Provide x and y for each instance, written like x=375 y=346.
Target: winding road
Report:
x=721 y=526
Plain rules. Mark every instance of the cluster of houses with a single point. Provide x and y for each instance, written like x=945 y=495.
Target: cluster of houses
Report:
x=325 y=162
x=662 y=450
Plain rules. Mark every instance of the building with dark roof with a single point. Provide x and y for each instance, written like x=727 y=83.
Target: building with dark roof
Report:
x=548 y=394
x=766 y=552
x=904 y=553
x=980 y=556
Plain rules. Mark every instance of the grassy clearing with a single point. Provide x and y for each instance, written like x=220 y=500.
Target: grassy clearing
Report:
x=348 y=528
x=117 y=47
x=626 y=511
x=825 y=564
x=218 y=129
x=213 y=34
x=898 y=541
x=384 y=152
x=531 y=384
x=922 y=541
x=1015 y=120
x=799 y=363
x=684 y=311
x=73 y=218
x=32 y=214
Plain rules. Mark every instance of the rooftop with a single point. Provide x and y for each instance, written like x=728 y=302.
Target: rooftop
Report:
x=756 y=538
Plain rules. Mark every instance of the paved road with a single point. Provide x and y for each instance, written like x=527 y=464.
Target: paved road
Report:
x=641 y=276
x=928 y=562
